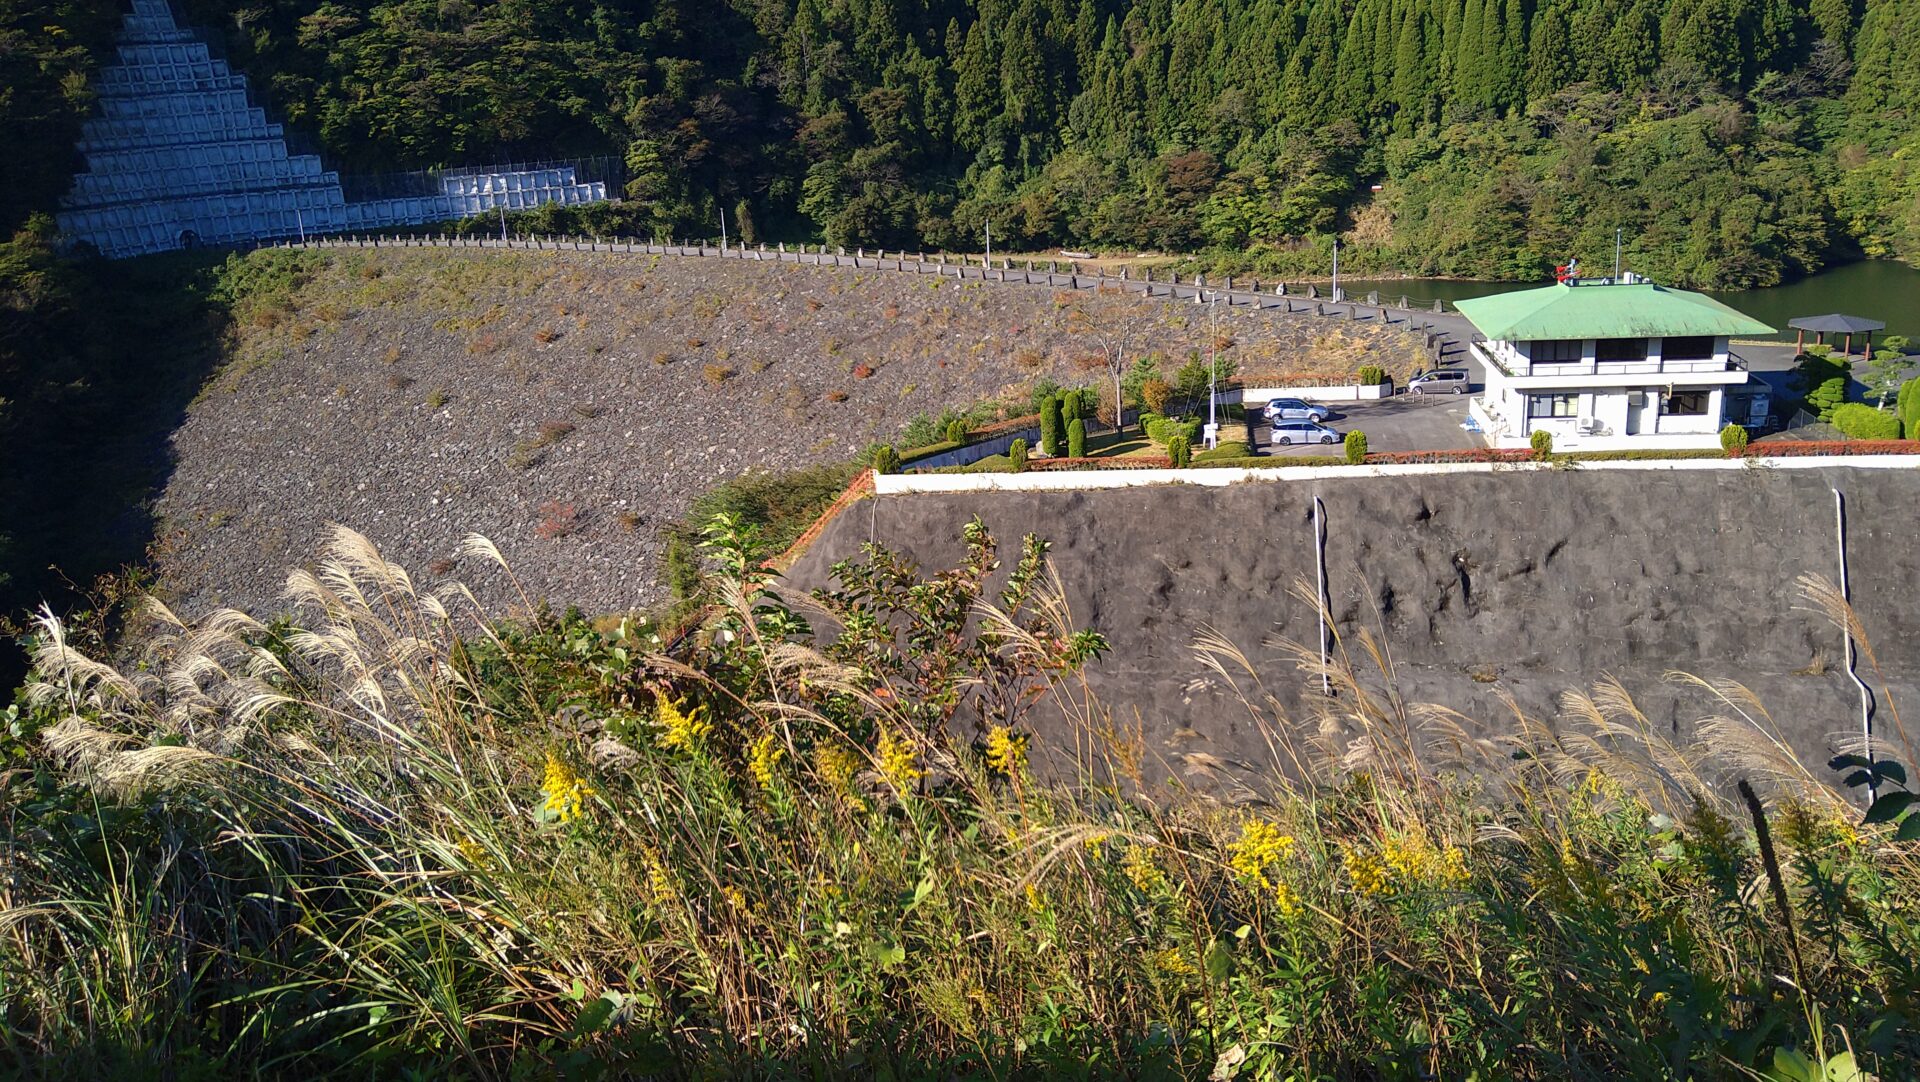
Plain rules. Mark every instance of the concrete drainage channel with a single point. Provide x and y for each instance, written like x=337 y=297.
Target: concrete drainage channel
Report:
x=1629 y=570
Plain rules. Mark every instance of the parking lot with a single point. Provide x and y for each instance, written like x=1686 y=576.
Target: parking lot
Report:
x=1405 y=422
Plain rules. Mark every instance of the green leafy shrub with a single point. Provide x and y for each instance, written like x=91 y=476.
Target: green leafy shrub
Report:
x=956 y=431
x=1017 y=454
x=1733 y=439
x=1050 y=426
x=1907 y=406
x=886 y=459
x=1180 y=450
x=1076 y=438
x=1542 y=444
x=1356 y=447
x=1372 y=375
x=1164 y=430
x=1862 y=422
x=1043 y=389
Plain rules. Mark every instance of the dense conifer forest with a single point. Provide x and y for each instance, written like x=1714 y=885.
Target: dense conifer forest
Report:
x=1736 y=142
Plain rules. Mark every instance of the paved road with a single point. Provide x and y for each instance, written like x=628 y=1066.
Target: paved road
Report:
x=1404 y=422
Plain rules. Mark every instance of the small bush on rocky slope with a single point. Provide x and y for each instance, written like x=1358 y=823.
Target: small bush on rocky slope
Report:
x=819 y=838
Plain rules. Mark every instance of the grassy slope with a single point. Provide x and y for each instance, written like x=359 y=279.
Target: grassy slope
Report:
x=552 y=850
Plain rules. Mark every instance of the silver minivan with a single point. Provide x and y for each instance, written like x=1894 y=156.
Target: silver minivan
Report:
x=1291 y=432
x=1439 y=381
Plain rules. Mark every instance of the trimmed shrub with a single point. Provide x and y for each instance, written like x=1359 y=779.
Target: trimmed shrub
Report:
x=1371 y=375
x=885 y=459
x=1907 y=407
x=1180 y=450
x=1863 y=422
x=1356 y=446
x=956 y=431
x=1733 y=439
x=1076 y=438
x=1542 y=443
x=1017 y=454
x=1163 y=430
x=1827 y=397
x=1050 y=426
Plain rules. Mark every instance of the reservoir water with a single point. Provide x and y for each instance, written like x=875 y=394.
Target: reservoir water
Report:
x=1876 y=289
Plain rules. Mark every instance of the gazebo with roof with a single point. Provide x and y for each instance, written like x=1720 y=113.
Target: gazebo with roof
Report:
x=1836 y=323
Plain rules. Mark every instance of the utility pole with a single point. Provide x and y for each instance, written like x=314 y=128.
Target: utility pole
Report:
x=1213 y=372
x=503 y=223
x=723 y=229
x=989 y=241
x=1616 y=255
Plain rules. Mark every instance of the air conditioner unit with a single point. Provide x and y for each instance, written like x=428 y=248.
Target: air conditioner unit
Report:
x=1637 y=399
x=1588 y=426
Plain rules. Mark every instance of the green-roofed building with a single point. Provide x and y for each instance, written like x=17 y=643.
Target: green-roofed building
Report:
x=1609 y=365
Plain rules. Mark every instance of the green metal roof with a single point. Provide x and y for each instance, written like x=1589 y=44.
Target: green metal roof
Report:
x=1626 y=310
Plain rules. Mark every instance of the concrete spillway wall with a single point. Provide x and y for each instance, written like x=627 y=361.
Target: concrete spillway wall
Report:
x=1527 y=584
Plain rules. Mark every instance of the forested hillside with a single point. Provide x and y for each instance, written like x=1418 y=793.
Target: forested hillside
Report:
x=1736 y=142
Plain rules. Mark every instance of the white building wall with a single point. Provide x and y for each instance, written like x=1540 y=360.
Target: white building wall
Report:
x=1512 y=378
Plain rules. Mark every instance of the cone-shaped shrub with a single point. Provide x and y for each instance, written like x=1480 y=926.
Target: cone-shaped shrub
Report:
x=1017 y=454
x=1181 y=451
x=956 y=431
x=1050 y=426
x=1076 y=438
x=1733 y=439
x=1356 y=447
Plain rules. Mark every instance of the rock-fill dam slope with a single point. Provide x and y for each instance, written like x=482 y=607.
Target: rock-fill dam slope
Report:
x=1479 y=587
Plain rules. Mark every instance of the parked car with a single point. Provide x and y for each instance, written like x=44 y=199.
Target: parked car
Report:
x=1296 y=409
x=1439 y=381
x=1290 y=432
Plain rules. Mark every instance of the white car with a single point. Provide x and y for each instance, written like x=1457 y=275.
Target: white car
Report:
x=1296 y=409
x=1290 y=432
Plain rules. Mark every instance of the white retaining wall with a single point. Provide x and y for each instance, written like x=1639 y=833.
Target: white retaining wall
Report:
x=1220 y=477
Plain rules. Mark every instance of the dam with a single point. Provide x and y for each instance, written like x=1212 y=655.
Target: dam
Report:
x=1482 y=589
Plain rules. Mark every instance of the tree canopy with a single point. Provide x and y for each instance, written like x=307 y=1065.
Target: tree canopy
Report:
x=1736 y=142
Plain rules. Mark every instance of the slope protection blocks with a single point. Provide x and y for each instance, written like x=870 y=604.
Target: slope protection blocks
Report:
x=179 y=156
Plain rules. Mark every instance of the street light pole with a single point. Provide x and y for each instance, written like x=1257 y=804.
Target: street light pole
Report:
x=723 y=229
x=989 y=241
x=1336 y=268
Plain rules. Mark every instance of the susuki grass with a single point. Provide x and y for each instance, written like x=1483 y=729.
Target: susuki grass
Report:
x=820 y=836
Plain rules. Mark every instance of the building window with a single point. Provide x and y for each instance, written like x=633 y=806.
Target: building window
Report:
x=1557 y=351
x=1698 y=348
x=1620 y=349
x=1684 y=404
x=1553 y=405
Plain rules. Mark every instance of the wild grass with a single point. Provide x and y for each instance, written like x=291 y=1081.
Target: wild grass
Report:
x=818 y=836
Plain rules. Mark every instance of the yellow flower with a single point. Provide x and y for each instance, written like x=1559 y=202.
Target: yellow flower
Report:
x=1659 y=1000
x=565 y=791
x=471 y=852
x=1285 y=900
x=680 y=730
x=1368 y=873
x=1142 y=869
x=898 y=761
x=1035 y=904
x=736 y=898
x=1006 y=751
x=1096 y=844
x=660 y=886
x=1260 y=844
x=1173 y=961
x=1453 y=864
x=838 y=766
x=763 y=755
